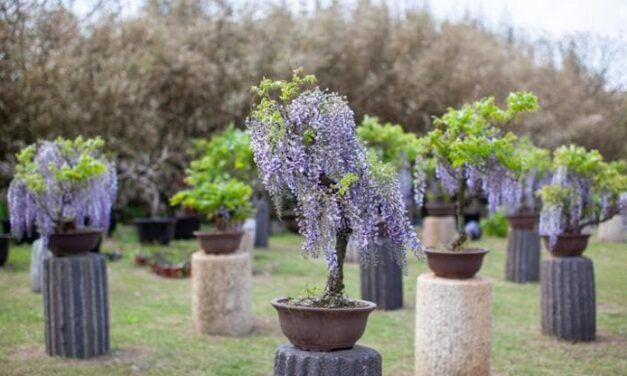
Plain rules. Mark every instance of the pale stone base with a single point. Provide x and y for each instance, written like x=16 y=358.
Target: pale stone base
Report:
x=221 y=293
x=614 y=230
x=38 y=254
x=248 y=240
x=437 y=231
x=453 y=326
x=352 y=253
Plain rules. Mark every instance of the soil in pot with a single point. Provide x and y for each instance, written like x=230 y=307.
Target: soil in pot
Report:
x=74 y=242
x=4 y=248
x=440 y=209
x=219 y=242
x=568 y=245
x=155 y=230
x=522 y=221
x=455 y=264
x=186 y=226
x=323 y=329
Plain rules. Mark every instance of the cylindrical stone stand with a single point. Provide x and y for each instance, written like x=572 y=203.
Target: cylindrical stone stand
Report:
x=76 y=306
x=614 y=230
x=523 y=256
x=453 y=326
x=382 y=283
x=38 y=253
x=221 y=296
x=568 y=302
x=352 y=252
x=358 y=361
x=438 y=231
x=263 y=223
x=248 y=240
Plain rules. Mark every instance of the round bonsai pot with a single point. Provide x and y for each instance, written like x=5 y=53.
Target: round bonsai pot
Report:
x=522 y=221
x=219 y=242
x=74 y=243
x=141 y=260
x=185 y=226
x=440 y=209
x=155 y=230
x=455 y=265
x=323 y=329
x=568 y=245
x=4 y=248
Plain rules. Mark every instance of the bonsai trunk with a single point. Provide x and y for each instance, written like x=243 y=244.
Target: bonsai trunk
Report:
x=461 y=237
x=334 y=292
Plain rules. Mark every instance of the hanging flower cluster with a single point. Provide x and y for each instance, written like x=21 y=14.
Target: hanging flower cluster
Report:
x=60 y=186
x=304 y=144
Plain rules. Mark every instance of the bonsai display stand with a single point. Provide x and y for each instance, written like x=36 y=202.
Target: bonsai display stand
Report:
x=248 y=240
x=38 y=253
x=382 y=283
x=262 y=231
x=567 y=300
x=76 y=306
x=352 y=253
x=523 y=256
x=453 y=326
x=437 y=231
x=614 y=230
x=221 y=296
x=358 y=361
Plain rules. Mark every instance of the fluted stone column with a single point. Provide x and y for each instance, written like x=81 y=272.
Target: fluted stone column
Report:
x=523 y=256
x=383 y=283
x=453 y=326
x=437 y=231
x=221 y=293
x=358 y=361
x=263 y=223
x=38 y=253
x=76 y=306
x=568 y=302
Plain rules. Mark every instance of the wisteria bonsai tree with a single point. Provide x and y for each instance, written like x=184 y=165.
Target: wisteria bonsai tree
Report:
x=59 y=185
x=304 y=143
x=472 y=153
x=585 y=190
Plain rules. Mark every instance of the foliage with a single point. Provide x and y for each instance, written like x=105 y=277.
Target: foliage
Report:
x=59 y=184
x=389 y=141
x=304 y=143
x=495 y=224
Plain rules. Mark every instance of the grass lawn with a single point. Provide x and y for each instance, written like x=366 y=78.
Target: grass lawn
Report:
x=151 y=331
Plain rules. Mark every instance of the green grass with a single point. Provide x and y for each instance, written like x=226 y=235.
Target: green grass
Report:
x=151 y=332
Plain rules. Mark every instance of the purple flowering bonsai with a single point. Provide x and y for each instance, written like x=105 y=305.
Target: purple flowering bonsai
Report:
x=60 y=186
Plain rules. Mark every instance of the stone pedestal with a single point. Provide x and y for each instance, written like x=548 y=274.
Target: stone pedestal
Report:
x=248 y=240
x=567 y=301
x=352 y=253
x=453 y=326
x=76 y=306
x=523 y=256
x=263 y=223
x=221 y=296
x=614 y=230
x=437 y=231
x=358 y=361
x=383 y=283
x=38 y=253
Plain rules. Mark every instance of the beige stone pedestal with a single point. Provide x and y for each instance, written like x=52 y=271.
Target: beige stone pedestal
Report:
x=221 y=293
x=438 y=231
x=614 y=230
x=453 y=326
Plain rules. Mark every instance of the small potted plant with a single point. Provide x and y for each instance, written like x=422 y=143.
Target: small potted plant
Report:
x=226 y=204
x=584 y=191
x=305 y=144
x=58 y=186
x=470 y=154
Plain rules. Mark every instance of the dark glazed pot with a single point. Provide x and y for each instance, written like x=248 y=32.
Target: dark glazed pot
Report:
x=219 y=242
x=455 y=265
x=186 y=226
x=74 y=243
x=323 y=329
x=523 y=221
x=568 y=245
x=141 y=260
x=155 y=230
x=4 y=248
x=439 y=209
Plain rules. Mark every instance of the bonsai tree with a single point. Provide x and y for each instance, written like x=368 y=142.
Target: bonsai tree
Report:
x=304 y=143
x=471 y=153
x=585 y=190
x=59 y=185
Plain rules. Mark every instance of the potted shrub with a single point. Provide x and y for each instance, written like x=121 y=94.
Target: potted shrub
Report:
x=584 y=191
x=57 y=186
x=225 y=203
x=304 y=143
x=470 y=154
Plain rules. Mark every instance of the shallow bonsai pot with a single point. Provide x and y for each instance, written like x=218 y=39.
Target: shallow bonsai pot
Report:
x=219 y=242
x=323 y=329
x=4 y=248
x=522 y=221
x=440 y=209
x=155 y=230
x=455 y=265
x=186 y=226
x=74 y=243
x=141 y=260
x=568 y=245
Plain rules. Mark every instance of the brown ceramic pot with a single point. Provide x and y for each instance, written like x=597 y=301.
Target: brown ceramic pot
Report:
x=219 y=242
x=74 y=242
x=568 y=245
x=323 y=329
x=440 y=209
x=523 y=221
x=141 y=260
x=455 y=265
